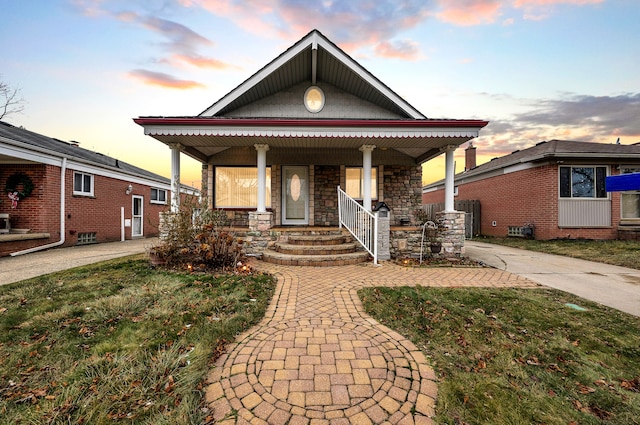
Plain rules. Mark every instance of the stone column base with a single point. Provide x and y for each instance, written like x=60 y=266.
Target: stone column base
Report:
x=260 y=221
x=451 y=232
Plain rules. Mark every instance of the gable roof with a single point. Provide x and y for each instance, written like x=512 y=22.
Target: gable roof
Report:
x=21 y=138
x=313 y=58
x=552 y=150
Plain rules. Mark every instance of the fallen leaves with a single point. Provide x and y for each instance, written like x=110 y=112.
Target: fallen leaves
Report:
x=631 y=385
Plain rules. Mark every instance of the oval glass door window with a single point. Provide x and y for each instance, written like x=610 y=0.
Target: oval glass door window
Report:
x=295 y=187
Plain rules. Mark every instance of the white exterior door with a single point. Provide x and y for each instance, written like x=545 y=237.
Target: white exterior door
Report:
x=295 y=195
x=136 y=216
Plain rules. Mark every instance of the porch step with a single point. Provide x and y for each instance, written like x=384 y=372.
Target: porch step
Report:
x=318 y=240
x=273 y=257
x=300 y=249
x=315 y=248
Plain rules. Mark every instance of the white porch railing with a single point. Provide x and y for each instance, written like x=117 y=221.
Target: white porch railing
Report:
x=362 y=224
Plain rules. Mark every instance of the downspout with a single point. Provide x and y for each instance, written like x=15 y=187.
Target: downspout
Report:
x=62 y=216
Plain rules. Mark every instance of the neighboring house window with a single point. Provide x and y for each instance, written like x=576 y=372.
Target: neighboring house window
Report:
x=630 y=198
x=82 y=184
x=354 y=184
x=237 y=187
x=583 y=182
x=158 y=196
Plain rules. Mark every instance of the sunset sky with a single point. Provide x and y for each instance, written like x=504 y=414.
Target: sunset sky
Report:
x=536 y=69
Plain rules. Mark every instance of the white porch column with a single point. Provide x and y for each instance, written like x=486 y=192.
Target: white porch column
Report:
x=366 y=175
x=262 y=176
x=449 y=182
x=175 y=176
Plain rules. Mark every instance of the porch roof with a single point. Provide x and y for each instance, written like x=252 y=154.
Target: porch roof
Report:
x=201 y=137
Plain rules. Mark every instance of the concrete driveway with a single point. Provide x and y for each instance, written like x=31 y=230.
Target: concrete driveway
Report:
x=613 y=286
x=14 y=269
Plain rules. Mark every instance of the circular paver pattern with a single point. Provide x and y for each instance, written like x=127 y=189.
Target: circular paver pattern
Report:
x=327 y=369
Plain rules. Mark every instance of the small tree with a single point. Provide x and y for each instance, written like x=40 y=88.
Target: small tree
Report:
x=11 y=100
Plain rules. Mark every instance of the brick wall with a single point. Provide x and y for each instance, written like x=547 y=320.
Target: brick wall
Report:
x=527 y=196
x=40 y=212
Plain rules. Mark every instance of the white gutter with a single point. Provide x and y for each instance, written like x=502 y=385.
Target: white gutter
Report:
x=62 y=217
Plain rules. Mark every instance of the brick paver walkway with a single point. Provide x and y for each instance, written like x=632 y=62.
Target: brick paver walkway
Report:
x=317 y=358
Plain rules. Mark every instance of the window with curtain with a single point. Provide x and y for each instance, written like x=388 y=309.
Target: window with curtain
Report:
x=237 y=187
x=354 y=184
x=630 y=198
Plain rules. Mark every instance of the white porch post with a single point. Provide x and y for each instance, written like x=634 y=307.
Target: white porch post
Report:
x=366 y=171
x=449 y=181
x=262 y=176
x=175 y=177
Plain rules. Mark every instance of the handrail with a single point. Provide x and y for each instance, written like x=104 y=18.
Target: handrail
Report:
x=360 y=222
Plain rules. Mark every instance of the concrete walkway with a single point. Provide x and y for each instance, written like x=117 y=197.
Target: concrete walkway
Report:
x=317 y=358
x=613 y=286
x=14 y=269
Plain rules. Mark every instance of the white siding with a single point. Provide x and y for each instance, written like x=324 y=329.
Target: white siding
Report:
x=584 y=213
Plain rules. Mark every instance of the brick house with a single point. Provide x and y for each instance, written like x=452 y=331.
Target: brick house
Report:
x=558 y=187
x=74 y=195
x=277 y=146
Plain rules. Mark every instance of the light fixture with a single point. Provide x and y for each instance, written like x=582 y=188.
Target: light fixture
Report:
x=129 y=190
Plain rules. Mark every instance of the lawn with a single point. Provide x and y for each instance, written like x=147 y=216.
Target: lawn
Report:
x=119 y=342
x=519 y=356
x=618 y=253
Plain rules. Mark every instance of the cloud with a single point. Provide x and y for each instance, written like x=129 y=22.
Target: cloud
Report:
x=470 y=12
x=619 y=115
x=182 y=42
x=403 y=49
x=163 y=80
x=585 y=118
x=353 y=25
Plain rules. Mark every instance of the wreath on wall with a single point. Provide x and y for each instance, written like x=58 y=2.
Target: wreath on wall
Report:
x=14 y=183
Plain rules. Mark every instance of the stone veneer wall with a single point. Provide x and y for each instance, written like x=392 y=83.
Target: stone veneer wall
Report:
x=403 y=191
x=327 y=178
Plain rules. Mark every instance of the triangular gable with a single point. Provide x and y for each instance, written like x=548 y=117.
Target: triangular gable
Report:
x=313 y=58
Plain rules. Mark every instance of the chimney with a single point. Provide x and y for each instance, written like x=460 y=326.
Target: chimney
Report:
x=469 y=157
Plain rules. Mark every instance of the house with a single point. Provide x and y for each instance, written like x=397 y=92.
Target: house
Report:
x=276 y=147
x=59 y=194
x=555 y=189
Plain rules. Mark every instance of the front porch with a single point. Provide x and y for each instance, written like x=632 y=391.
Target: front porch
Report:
x=275 y=148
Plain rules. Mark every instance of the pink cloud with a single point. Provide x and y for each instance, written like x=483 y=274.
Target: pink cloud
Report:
x=163 y=80
x=470 y=12
x=199 y=62
x=405 y=49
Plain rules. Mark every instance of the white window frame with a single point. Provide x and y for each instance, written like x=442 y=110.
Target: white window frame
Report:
x=83 y=192
x=625 y=170
x=374 y=183
x=157 y=192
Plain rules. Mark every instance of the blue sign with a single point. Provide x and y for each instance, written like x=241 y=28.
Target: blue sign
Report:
x=623 y=182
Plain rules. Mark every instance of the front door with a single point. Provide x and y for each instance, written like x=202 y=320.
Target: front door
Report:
x=295 y=195
x=136 y=216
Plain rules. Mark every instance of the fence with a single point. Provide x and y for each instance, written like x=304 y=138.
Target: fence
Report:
x=472 y=216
